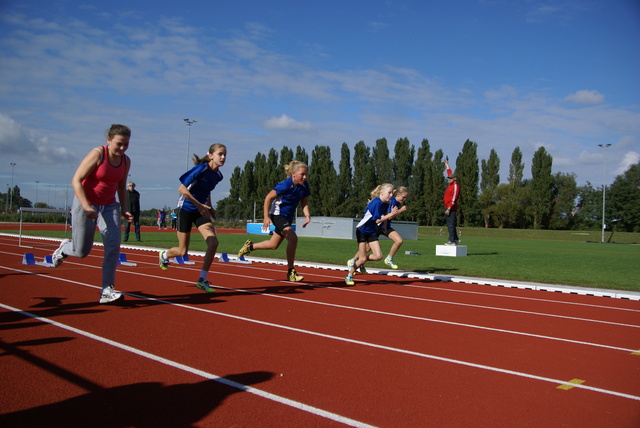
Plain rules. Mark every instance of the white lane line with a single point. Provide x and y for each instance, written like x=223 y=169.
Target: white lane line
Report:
x=323 y=335
x=373 y=345
x=392 y=314
x=269 y=396
x=257 y=267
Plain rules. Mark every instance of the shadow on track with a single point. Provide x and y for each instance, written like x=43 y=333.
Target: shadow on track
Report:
x=146 y=404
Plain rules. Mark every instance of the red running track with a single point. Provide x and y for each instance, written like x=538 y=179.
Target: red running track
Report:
x=263 y=352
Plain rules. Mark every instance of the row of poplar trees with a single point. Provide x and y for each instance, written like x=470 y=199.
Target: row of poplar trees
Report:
x=544 y=201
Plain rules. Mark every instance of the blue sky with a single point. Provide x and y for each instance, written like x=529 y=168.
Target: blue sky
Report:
x=562 y=74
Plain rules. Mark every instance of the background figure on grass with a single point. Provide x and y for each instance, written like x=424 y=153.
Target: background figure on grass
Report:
x=133 y=207
x=279 y=207
x=174 y=220
x=400 y=196
x=101 y=174
x=375 y=214
x=195 y=207
x=450 y=199
x=162 y=219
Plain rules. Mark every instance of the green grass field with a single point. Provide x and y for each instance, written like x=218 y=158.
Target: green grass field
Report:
x=522 y=257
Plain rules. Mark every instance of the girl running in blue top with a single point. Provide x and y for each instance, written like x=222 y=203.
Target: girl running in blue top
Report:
x=280 y=206
x=195 y=208
x=376 y=213
x=400 y=196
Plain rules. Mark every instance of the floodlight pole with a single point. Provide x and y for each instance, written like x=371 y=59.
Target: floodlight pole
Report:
x=604 y=185
x=13 y=165
x=189 y=123
x=37 y=182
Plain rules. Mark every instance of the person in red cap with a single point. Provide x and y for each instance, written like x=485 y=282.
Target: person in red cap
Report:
x=451 y=196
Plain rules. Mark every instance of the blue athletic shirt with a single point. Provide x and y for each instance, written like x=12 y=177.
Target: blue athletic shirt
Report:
x=392 y=203
x=200 y=181
x=288 y=197
x=375 y=210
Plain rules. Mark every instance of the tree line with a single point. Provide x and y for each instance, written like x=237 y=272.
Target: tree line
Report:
x=544 y=201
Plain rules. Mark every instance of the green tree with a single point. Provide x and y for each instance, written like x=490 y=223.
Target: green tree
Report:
x=490 y=179
x=516 y=168
x=230 y=207
x=363 y=176
x=565 y=195
x=286 y=156
x=540 y=188
x=301 y=155
x=345 y=206
x=403 y=154
x=273 y=168
x=468 y=174
x=508 y=211
x=624 y=200
x=417 y=194
x=322 y=181
x=435 y=184
x=247 y=193
x=261 y=177
x=382 y=164
x=588 y=211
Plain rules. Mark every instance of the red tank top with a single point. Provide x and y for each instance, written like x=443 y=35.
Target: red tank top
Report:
x=101 y=185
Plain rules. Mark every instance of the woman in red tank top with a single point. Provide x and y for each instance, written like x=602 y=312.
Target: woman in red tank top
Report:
x=101 y=174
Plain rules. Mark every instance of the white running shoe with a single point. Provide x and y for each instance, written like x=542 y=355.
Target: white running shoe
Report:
x=58 y=255
x=109 y=295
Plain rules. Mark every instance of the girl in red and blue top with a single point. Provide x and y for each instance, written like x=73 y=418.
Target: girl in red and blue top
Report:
x=375 y=214
x=279 y=207
x=195 y=207
x=101 y=174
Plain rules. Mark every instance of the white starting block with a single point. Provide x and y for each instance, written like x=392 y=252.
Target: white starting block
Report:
x=29 y=259
x=224 y=258
x=182 y=260
x=123 y=261
x=451 y=250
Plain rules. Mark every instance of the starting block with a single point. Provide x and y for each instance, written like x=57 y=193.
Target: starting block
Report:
x=29 y=259
x=184 y=260
x=123 y=261
x=224 y=258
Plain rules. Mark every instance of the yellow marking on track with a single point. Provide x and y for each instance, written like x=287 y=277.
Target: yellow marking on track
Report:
x=636 y=352
x=567 y=387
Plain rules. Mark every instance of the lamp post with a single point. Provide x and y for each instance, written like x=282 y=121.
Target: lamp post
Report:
x=189 y=123
x=13 y=165
x=604 y=186
x=36 y=201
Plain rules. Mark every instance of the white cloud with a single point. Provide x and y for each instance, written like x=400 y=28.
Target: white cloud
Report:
x=585 y=96
x=286 y=123
x=21 y=143
x=628 y=159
